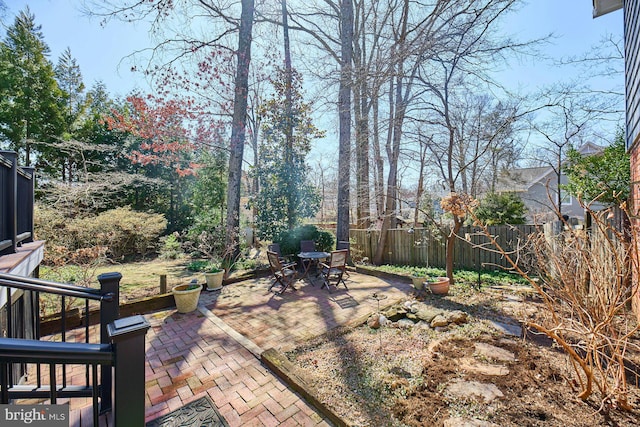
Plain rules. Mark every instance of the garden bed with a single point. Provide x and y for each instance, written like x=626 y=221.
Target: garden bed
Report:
x=416 y=376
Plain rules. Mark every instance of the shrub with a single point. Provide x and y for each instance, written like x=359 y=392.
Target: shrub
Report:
x=124 y=232
x=501 y=208
x=290 y=240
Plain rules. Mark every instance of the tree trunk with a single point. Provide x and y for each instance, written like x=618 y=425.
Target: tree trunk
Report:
x=288 y=127
x=450 y=252
x=238 y=130
x=344 y=115
x=379 y=162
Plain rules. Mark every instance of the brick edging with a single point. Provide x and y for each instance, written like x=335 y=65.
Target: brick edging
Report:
x=284 y=369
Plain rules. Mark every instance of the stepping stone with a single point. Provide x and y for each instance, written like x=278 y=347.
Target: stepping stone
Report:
x=465 y=422
x=476 y=367
x=463 y=389
x=496 y=353
x=507 y=328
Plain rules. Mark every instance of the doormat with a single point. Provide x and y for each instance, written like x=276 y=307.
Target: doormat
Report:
x=199 y=413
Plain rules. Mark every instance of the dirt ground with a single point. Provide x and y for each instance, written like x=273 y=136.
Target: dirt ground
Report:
x=415 y=376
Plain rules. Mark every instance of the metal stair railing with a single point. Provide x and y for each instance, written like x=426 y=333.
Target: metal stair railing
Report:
x=119 y=340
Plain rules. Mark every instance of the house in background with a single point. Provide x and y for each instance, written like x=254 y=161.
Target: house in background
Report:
x=538 y=189
x=632 y=100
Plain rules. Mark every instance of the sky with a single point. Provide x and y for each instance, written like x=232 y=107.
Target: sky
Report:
x=101 y=52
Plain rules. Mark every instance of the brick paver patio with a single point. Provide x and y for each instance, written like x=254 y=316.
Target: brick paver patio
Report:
x=216 y=349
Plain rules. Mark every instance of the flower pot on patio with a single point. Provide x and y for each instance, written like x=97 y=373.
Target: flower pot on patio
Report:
x=439 y=285
x=214 y=280
x=186 y=297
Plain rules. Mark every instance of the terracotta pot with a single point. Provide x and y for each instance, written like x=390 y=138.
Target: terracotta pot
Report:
x=439 y=286
x=186 y=297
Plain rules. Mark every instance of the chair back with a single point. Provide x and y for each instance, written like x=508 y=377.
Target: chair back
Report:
x=307 y=246
x=274 y=261
x=342 y=244
x=275 y=247
x=338 y=259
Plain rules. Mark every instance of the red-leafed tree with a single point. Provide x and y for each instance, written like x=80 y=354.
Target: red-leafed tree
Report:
x=161 y=131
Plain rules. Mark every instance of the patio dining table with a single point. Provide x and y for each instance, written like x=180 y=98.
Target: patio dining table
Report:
x=312 y=259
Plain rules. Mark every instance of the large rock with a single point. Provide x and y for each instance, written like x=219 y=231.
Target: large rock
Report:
x=394 y=314
x=374 y=321
x=439 y=320
x=457 y=316
x=427 y=313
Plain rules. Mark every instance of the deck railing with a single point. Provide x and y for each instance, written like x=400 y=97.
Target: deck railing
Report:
x=45 y=369
x=16 y=203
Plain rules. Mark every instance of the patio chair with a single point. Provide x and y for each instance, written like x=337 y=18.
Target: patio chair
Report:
x=283 y=274
x=307 y=246
x=333 y=271
x=342 y=244
x=275 y=247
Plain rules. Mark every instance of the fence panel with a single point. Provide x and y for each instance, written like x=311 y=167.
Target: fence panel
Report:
x=423 y=247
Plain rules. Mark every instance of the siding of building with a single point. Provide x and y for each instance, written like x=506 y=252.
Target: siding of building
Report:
x=632 y=67
x=632 y=86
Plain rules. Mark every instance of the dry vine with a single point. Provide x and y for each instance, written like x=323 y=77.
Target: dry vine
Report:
x=584 y=280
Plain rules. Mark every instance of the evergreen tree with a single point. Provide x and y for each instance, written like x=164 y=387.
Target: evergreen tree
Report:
x=69 y=78
x=601 y=177
x=31 y=109
x=501 y=208
x=285 y=196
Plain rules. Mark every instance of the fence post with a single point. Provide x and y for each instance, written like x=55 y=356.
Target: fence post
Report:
x=109 y=312
x=127 y=336
x=163 y=284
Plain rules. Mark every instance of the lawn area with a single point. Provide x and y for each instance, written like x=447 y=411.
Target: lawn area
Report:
x=139 y=279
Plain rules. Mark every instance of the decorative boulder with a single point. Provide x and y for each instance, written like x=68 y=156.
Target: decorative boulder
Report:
x=439 y=320
x=428 y=313
x=457 y=316
x=374 y=321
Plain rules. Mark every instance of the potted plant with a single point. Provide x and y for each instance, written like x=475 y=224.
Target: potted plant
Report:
x=212 y=271
x=214 y=276
x=418 y=280
x=438 y=285
x=186 y=296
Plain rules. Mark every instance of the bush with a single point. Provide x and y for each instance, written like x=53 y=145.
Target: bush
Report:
x=125 y=233
x=290 y=240
x=501 y=208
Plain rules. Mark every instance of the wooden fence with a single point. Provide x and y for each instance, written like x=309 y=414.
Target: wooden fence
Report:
x=424 y=247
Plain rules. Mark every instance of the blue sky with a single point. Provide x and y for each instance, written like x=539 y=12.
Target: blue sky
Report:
x=101 y=52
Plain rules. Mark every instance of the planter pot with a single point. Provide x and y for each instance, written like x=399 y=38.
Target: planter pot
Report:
x=439 y=286
x=186 y=297
x=418 y=282
x=214 y=280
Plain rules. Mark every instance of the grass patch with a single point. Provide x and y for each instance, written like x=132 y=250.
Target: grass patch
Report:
x=487 y=277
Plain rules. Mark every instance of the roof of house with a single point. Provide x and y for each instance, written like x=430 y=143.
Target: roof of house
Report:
x=521 y=180
x=602 y=7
